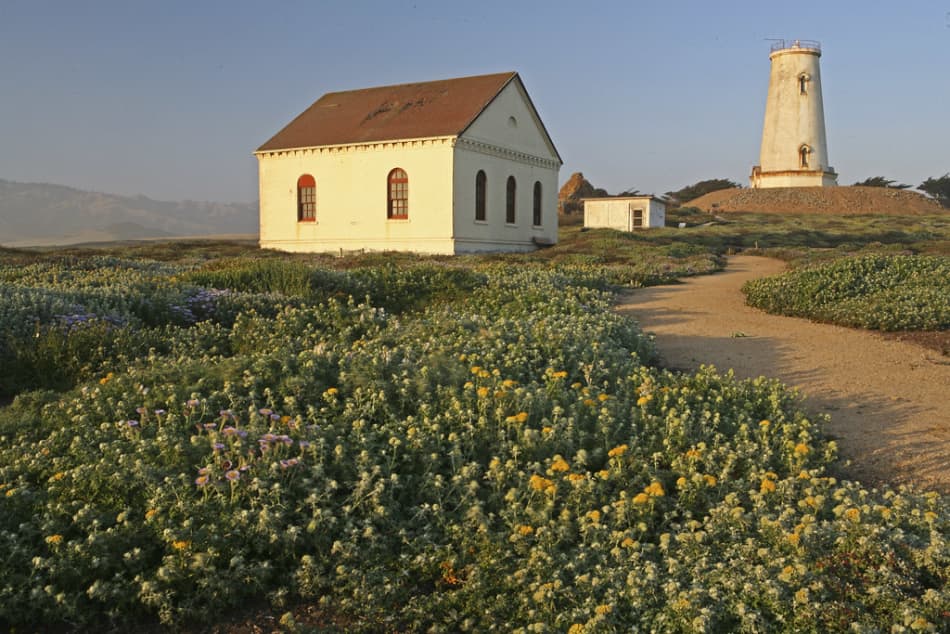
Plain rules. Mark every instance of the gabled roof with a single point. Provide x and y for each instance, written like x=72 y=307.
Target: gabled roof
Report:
x=407 y=111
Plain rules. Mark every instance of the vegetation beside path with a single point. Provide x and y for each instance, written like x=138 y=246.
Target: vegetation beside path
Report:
x=422 y=444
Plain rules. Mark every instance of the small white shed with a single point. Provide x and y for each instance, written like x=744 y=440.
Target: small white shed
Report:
x=625 y=213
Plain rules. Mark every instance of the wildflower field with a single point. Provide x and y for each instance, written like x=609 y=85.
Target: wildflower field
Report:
x=468 y=445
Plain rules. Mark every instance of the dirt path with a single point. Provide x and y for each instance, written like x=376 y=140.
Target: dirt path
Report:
x=889 y=400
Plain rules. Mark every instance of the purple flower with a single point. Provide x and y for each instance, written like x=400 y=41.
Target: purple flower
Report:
x=229 y=431
x=159 y=412
x=193 y=402
x=265 y=411
x=210 y=425
x=132 y=423
x=290 y=462
x=275 y=416
x=304 y=444
x=140 y=410
x=218 y=446
x=201 y=480
x=232 y=475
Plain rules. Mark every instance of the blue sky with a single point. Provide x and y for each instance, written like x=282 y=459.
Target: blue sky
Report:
x=169 y=99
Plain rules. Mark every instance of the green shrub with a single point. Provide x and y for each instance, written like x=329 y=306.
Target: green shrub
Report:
x=881 y=292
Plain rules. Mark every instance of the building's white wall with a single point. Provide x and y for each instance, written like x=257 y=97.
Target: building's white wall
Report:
x=502 y=149
x=351 y=198
x=493 y=125
x=793 y=119
x=494 y=233
x=617 y=213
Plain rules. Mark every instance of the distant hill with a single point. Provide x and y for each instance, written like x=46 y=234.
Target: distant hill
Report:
x=44 y=214
x=843 y=200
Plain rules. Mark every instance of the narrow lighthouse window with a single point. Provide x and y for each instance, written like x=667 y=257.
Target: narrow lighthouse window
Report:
x=803 y=84
x=803 y=156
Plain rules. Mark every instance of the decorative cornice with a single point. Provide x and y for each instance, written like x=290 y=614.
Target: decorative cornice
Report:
x=506 y=153
x=359 y=147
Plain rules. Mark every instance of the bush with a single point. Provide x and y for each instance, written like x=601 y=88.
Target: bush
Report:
x=881 y=292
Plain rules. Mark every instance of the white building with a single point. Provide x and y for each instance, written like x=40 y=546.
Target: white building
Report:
x=794 y=149
x=451 y=166
x=625 y=213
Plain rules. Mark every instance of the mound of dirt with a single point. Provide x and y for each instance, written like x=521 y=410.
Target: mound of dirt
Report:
x=836 y=201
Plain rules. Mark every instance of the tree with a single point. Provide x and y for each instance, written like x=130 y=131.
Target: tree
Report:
x=880 y=181
x=939 y=188
x=699 y=189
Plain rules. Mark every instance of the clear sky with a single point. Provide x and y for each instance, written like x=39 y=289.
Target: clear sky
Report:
x=169 y=98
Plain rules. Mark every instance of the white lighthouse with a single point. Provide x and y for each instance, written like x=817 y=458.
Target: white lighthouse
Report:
x=794 y=151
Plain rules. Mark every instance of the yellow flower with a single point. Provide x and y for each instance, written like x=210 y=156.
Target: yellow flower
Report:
x=560 y=464
x=617 y=451
x=59 y=475
x=180 y=544
x=804 y=475
x=767 y=486
x=801 y=596
x=540 y=483
x=547 y=430
x=559 y=375
x=149 y=514
x=589 y=402
x=468 y=385
x=641 y=498
x=656 y=489
x=627 y=542
x=853 y=514
x=602 y=397
x=603 y=474
x=575 y=385
x=482 y=392
x=710 y=480
x=681 y=482
x=764 y=423
x=509 y=383
x=331 y=391
x=484 y=374
x=928 y=516
x=576 y=628
x=499 y=393
x=593 y=516
x=10 y=493
x=793 y=539
x=476 y=369
x=801 y=449
x=54 y=539
x=576 y=477
x=693 y=453
x=643 y=400
x=524 y=529
x=521 y=417
x=603 y=609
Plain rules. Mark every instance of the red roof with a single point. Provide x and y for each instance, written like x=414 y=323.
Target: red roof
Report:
x=407 y=111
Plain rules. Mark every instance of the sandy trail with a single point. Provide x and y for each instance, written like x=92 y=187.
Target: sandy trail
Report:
x=889 y=400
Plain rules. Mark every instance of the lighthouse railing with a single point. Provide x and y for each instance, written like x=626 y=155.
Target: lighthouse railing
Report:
x=778 y=45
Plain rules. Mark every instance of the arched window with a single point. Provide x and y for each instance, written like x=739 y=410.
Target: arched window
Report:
x=536 y=216
x=510 y=201
x=803 y=153
x=397 y=205
x=481 y=183
x=306 y=199
x=803 y=84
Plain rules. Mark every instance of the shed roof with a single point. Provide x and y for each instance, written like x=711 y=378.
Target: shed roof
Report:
x=406 y=111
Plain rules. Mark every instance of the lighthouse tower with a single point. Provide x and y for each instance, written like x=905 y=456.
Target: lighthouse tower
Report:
x=794 y=151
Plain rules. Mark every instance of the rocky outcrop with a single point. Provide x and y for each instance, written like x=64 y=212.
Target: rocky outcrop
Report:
x=574 y=190
x=839 y=201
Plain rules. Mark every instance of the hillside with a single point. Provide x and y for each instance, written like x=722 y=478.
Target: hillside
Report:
x=40 y=213
x=851 y=200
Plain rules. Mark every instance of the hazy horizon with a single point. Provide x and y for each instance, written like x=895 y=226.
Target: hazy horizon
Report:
x=170 y=100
